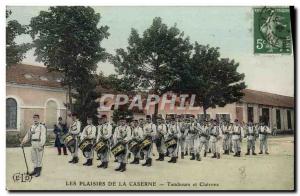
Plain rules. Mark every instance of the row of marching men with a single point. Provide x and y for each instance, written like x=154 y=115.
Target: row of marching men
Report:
x=170 y=136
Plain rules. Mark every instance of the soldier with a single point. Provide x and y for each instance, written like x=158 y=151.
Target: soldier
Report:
x=74 y=130
x=203 y=140
x=173 y=133
x=89 y=133
x=227 y=130
x=193 y=134
x=37 y=135
x=59 y=130
x=149 y=130
x=251 y=137
x=104 y=133
x=236 y=138
x=215 y=134
x=264 y=130
x=122 y=134
x=183 y=127
x=137 y=134
x=160 y=139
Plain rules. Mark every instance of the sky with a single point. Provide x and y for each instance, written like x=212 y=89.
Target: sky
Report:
x=229 y=28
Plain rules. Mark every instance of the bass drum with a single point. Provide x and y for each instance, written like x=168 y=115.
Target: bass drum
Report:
x=133 y=146
x=86 y=146
x=146 y=143
x=118 y=149
x=100 y=147
x=69 y=141
x=171 y=143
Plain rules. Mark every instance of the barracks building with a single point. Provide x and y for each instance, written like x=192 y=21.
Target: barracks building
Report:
x=32 y=89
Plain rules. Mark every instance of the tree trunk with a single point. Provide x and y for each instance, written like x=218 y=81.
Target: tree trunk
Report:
x=70 y=98
x=204 y=112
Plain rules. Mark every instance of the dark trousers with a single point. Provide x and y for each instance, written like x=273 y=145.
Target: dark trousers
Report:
x=64 y=149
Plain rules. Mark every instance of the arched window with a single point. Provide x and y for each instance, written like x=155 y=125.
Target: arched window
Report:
x=51 y=114
x=11 y=113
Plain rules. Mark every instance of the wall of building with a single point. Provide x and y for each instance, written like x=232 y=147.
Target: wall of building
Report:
x=33 y=100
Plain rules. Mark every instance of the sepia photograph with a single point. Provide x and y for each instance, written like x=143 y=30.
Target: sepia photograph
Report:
x=150 y=98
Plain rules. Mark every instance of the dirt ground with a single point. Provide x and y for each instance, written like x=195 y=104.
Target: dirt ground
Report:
x=261 y=172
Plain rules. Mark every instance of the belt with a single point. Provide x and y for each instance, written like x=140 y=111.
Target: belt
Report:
x=36 y=140
x=236 y=134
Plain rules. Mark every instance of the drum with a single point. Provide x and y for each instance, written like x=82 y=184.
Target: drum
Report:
x=86 y=146
x=100 y=146
x=171 y=143
x=146 y=143
x=133 y=146
x=118 y=149
x=69 y=142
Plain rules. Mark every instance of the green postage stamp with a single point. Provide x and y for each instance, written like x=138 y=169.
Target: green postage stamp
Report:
x=272 y=30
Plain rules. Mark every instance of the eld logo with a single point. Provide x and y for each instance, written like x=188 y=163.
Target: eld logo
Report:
x=21 y=177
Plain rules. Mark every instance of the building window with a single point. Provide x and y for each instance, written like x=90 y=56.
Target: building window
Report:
x=201 y=116
x=51 y=114
x=265 y=118
x=278 y=119
x=11 y=113
x=289 y=119
x=250 y=114
x=223 y=117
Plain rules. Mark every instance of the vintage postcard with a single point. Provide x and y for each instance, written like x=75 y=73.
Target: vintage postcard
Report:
x=157 y=98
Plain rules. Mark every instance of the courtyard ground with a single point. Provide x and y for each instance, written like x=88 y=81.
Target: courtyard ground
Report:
x=261 y=172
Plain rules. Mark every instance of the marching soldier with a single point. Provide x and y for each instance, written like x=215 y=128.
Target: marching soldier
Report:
x=149 y=130
x=214 y=138
x=89 y=133
x=251 y=137
x=203 y=140
x=104 y=133
x=236 y=138
x=193 y=134
x=122 y=134
x=74 y=130
x=183 y=133
x=160 y=139
x=227 y=130
x=173 y=133
x=264 y=130
x=37 y=135
x=137 y=134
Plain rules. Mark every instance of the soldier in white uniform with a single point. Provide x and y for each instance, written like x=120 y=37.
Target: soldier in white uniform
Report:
x=251 y=137
x=37 y=135
x=104 y=133
x=161 y=132
x=226 y=130
x=236 y=138
x=264 y=130
x=203 y=140
x=89 y=133
x=215 y=136
x=136 y=134
x=183 y=127
x=194 y=128
x=74 y=130
x=149 y=130
x=173 y=132
x=122 y=134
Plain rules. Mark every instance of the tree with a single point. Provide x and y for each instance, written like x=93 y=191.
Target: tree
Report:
x=86 y=96
x=15 y=53
x=150 y=61
x=214 y=80
x=68 y=40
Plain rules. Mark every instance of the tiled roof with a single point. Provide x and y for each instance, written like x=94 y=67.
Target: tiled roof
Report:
x=32 y=75
x=270 y=99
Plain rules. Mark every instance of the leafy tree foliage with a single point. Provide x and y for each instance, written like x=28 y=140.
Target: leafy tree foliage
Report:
x=15 y=53
x=68 y=40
